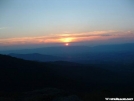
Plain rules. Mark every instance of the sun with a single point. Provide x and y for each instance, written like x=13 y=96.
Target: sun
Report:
x=67 y=44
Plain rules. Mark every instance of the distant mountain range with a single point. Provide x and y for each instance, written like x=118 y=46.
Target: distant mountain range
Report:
x=118 y=54
x=65 y=50
x=37 y=57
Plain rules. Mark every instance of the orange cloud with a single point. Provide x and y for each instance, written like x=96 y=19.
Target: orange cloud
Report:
x=69 y=37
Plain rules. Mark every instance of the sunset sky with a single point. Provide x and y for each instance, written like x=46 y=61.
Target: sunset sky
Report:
x=45 y=22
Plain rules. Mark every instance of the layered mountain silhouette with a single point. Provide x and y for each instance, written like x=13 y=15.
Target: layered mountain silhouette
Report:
x=18 y=74
x=80 y=70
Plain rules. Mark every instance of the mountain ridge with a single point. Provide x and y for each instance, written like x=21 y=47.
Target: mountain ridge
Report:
x=66 y=50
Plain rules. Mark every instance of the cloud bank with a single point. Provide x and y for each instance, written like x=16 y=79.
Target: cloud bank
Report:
x=72 y=37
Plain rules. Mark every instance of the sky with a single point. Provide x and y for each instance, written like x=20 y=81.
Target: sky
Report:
x=46 y=22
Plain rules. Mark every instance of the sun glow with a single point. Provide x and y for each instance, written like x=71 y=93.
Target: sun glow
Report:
x=66 y=39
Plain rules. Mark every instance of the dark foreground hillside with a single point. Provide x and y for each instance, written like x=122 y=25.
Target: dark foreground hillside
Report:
x=22 y=80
